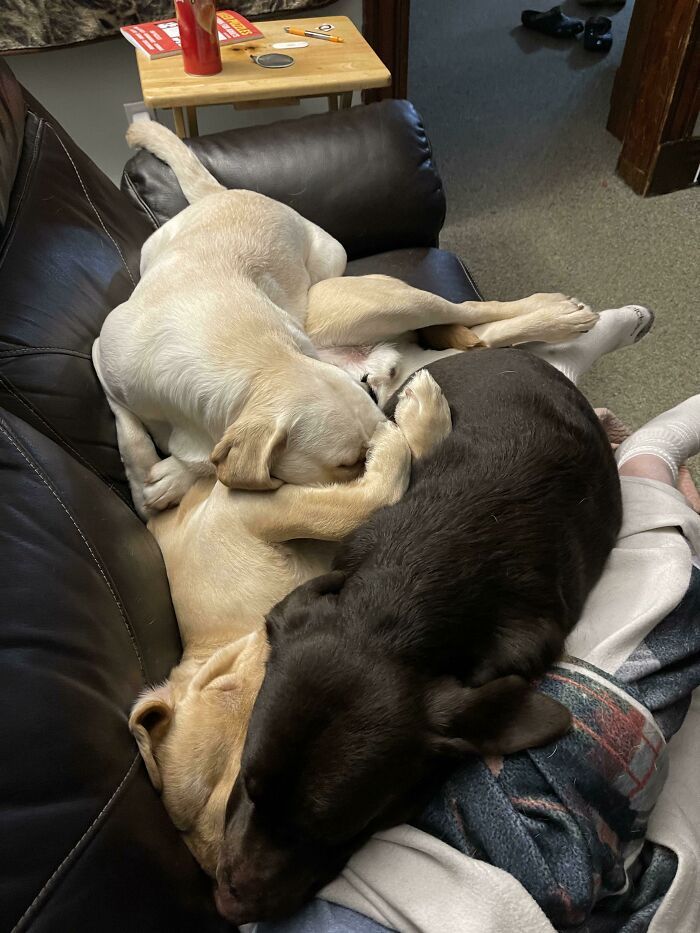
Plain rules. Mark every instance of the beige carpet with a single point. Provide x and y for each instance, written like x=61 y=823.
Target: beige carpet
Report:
x=517 y=123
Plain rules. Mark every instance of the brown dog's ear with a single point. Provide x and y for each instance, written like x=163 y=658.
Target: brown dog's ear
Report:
x=504 y=716
x=244 y=456
x=291 y=613
x=149 y=722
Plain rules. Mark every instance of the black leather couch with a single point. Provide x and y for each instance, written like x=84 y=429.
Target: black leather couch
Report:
x=86 y=615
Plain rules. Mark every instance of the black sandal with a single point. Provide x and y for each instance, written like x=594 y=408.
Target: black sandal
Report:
x=552 y=23
x=597 y=36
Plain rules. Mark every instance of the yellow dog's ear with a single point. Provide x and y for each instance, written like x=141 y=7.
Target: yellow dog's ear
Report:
x=245 y=454
x=149 y=723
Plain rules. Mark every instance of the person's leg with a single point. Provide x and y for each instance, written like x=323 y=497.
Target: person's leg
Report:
x=649 y=569
x=658 y=449
x=616 y=328
x=648 y=466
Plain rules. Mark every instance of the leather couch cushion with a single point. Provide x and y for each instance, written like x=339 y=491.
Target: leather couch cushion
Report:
x=87 y=622
x=11 y=133
x=69 y=253
x=433 y=270
x=365 y=175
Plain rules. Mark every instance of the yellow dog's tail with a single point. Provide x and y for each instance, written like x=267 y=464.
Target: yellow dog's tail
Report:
x=196 y=182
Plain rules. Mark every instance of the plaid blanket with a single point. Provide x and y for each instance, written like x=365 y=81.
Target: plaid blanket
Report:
x=569 y=820
x=566 y=819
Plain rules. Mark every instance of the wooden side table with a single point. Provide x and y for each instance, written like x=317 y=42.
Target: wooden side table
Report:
x=321 y=69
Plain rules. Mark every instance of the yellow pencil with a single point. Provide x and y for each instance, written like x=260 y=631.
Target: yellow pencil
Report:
x=313 y=35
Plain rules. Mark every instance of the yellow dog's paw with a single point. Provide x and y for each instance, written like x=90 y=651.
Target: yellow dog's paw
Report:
x=422 y=413
x=559 y=317
x=388 y=464
x=166 y=484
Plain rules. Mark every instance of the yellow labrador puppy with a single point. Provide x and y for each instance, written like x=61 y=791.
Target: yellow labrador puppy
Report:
x=214 y=354
x=230 y=557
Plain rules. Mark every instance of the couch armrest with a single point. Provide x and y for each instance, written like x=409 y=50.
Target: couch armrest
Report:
x=365 y=175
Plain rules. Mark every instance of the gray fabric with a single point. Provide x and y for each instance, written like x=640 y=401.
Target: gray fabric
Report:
x=35 y=24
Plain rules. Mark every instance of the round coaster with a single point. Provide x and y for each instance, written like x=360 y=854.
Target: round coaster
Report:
x=273 y=60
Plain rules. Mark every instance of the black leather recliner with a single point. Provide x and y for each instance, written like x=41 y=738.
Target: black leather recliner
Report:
x=87 y=622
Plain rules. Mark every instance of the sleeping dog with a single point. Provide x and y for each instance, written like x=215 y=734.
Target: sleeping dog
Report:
x=215 y=354
x=422 y=644
x=230 y=556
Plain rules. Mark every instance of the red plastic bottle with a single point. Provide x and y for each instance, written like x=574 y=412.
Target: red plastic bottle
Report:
x=196 y=20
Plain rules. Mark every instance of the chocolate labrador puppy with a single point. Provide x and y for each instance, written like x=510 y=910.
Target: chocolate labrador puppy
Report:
x=422 y=645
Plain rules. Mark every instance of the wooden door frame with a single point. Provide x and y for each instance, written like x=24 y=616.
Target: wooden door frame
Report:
x=385 y=27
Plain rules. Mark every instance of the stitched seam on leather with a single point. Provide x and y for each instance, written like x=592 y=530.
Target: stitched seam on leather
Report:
x=77 y=527
x=87 y=196
x=471 y=280
x=143 y=204
x=15 y=351
x=74 y=852
x=13 y=390
x=12 y=226
x=34 y=411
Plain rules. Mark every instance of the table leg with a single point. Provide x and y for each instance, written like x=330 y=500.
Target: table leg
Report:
x=332 y=101
x=346 y=100
x=179 y=118
x=192 y=121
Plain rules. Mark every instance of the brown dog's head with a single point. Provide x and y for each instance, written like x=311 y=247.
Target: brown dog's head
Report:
x=190 y=732
x=343 y=742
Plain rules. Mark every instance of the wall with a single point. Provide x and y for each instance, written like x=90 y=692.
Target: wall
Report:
x=85 y=88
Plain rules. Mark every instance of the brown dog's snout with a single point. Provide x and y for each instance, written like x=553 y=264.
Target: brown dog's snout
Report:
x=243 y=886
x=266 y=886
x=245 y=900
x=229 y=904
x=239 y=899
